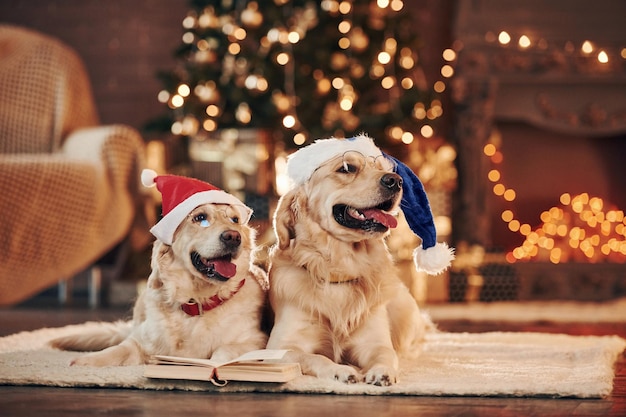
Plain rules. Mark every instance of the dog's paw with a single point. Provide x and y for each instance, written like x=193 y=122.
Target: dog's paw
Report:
x=381 y=376
x=342 y=373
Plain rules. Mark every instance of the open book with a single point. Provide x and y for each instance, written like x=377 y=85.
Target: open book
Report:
x=256 y=366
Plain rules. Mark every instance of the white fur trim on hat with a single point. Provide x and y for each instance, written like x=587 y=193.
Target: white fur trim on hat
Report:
x=166 y=227
x=148 y=176
x=433 y=260
x=302 y=163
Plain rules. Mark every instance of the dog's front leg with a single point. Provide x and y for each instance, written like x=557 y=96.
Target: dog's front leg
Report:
x=371 y=348
x=323 y=367
x=305 y=338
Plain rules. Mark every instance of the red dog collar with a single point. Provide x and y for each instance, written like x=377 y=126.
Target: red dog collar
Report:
x=193 y=308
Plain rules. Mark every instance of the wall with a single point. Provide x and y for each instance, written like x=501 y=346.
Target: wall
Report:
x=125 y=43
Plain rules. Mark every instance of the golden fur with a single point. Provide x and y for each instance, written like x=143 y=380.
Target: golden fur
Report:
x=159 y=326
x=338 y=302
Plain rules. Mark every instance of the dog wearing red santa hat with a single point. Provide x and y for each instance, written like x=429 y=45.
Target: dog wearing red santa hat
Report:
x=204 y=297
x=340 y=307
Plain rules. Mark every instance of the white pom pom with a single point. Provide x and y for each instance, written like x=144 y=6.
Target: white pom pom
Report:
x=433 y=260
x=147 y=177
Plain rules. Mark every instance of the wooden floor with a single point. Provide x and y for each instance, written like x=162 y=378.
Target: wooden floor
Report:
x=46 y=401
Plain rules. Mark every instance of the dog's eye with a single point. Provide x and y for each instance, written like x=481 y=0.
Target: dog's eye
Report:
x=347 y=168
x=234 y=219
x=201 y=219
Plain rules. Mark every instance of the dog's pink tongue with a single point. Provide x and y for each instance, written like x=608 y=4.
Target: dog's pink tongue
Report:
x=224 y=268
x=381 y=217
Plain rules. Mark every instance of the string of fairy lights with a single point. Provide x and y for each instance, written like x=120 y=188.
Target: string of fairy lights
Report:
x=581 y=229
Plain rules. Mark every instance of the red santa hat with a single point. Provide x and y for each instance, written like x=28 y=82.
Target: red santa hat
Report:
x=181 y=195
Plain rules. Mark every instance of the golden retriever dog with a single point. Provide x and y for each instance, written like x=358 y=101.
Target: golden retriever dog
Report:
x=203 y=299
x=339 y=304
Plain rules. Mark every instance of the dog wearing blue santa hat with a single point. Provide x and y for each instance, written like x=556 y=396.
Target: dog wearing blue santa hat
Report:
x=339 y=305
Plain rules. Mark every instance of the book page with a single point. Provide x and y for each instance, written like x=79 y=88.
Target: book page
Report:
x=255 y=355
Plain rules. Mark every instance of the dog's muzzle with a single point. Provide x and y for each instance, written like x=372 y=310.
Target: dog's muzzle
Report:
x=376 y=218
x=220 y=268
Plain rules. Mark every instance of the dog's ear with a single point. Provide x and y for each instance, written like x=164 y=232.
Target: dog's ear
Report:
x=161 y=256
x=285 y=218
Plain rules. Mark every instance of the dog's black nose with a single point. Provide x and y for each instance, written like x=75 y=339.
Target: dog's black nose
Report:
x=231 y=238
x=391 y=181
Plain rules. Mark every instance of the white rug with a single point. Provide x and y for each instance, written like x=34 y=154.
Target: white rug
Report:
x=613 y=311
x=464 y=364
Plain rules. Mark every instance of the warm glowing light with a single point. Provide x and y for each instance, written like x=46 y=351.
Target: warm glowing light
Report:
x=525 y=229
x=439 y=86
x=407 y=138
x=289 y=121
x=338 y=83
x=489 y=149
x=427 y=131
x=177 y=101
x=407 y=83
x=384 y=57
x=184 y=90
x=419 y=111
x=234 y=48
x=407 y=62
x=282 y=58
x=603 y=57
x=499 y=189
x=449 y=55
x=509 y=195
x=189 y=22
x=396 y=132
x=524 y=41
x=344 y=26
x=396 y=5
x=239 y=34
x=494 y=175
x=299 y=138
x=293 y=37
x=344 y=43
x=345 y=7
x=507 y=215
x=504 y=38
x=447 y=71
x=209 y=125
x=587 y=47
x=188 y=37
x=345 y=104
x=388 y=82
x=177 y=128
x=212 y=110
x=163 y=96
x=514 y=225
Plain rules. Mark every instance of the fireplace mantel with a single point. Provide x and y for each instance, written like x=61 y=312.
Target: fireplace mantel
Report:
x=550 y=84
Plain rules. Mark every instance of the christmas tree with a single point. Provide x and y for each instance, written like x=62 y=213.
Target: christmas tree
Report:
x=302 y=69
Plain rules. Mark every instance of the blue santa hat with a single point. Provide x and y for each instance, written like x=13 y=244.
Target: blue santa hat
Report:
x=431 y=257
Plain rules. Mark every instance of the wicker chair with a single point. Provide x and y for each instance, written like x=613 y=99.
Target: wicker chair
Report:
x=69 y=191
